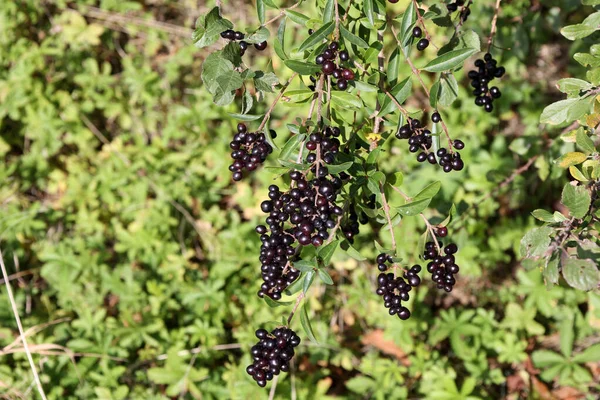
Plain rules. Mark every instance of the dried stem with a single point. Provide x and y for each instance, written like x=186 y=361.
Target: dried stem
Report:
x=336 y=32
x=494 y=22
x=274 y=103
x=20 y=326
x=298 y=301
x=281 y=14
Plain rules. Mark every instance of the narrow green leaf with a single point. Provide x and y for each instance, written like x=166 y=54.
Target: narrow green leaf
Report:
x=449 y=60
x=297 y=17
x=301 y=67
x=260 y=9
x=352 y=38
x=326 y=252
x=317 y=37
x=305 y=322
x=324 y=276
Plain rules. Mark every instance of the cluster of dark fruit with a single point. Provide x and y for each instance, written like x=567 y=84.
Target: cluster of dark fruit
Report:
x=442 y=267
x=351 y=228
x=272 y=354
x=423 y=43
x=236 y=36
x=394 y=290
x=327 y=61
x=487 y=71
x=248 y=151
x=465 y=12
x=419 y=139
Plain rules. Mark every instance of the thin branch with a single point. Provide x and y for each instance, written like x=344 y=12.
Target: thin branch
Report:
x=494 y=21
x=336 y=32
x=422 y=23
x=21 y=332
x=281 y=14
x=274 y=103
x=273 y=387
x=386 y=211
x=298 y=301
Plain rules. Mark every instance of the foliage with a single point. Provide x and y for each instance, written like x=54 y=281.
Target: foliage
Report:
x=136 y=253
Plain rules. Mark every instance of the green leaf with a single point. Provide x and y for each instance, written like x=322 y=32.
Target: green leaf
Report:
x=581 y=274
x=297 y=17
x=543 y=215
x=564 y=110
x=566 y=336
x=584 y=142
x=308 y=280
x=290 y=146
x=274 y=304
x=265 y=82
x=429 y=191
x=586 y=28
x=448 y=91
x=258 y=36
x=305 y=322
x=208 y=30
x=413 y=208
x=305 y=265
x=569 y=159
x=535 y=242
x=546 y=358
x=346 y=100
x=329 y=11
x=245 y=117
x=400 y=92
x=408 y=21
x=301 y=67
x=326 y=252
x=279 y=45
x=352 y=38
x=577 y=199
x=317 y=37
x=449 y=60
x=591 y=354
x=220 y=78
x=368 y=10
x=352 y=252
x=260 y=9
x=325 y=276
x=336 y=169
x=573 y=85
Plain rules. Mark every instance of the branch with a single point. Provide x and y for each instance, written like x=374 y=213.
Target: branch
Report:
x=494 y=21
x=272 y=107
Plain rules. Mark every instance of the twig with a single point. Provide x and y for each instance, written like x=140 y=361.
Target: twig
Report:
x=298 y=301
x=336 y=32
x=422 y=23
x=281 y=14
x=21 y=333
x=20 y=274
x=274 y=103
x=273 y=387
x=494 y=21
x=386 y=211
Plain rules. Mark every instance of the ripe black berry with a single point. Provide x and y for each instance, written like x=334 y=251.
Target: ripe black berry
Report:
x=344 y=56
x=328 y=67
x=417 y=32
x=442 y=268
x=394 y=290
x=238 y=36
x=435 y=117
x=422 y=44
x=260 y=46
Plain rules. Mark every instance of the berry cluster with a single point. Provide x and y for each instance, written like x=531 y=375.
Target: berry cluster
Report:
x=236 y=36
x=272 y=354
x=464 y=13
x=248 y=151
x=327 y=60
x=350 y=227
x=394 y=290
x=423 y=43
x=487 y=70
x=442 y=267
x=419 y=139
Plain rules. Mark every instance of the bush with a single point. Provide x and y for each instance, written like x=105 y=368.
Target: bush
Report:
x=133 y=256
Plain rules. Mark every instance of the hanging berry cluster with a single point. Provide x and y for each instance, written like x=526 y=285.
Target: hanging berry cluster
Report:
x=248 y=151
x=337 y=64
x=272 y=354
x=237 y=36
x=487 y=70
x=333 y=181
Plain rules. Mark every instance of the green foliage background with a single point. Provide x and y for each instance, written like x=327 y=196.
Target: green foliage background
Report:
x=134 y=246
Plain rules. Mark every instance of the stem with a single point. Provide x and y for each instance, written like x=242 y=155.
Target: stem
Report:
x=380 y=63
x=386 y=211
x=273 y=387
x=336 y=32
x=427 y=223
x=281 y=14
x=418 y=74
x=298 y=301
x=272 y=107
x=11 y=298
x=422 y=23
x=494 y=21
